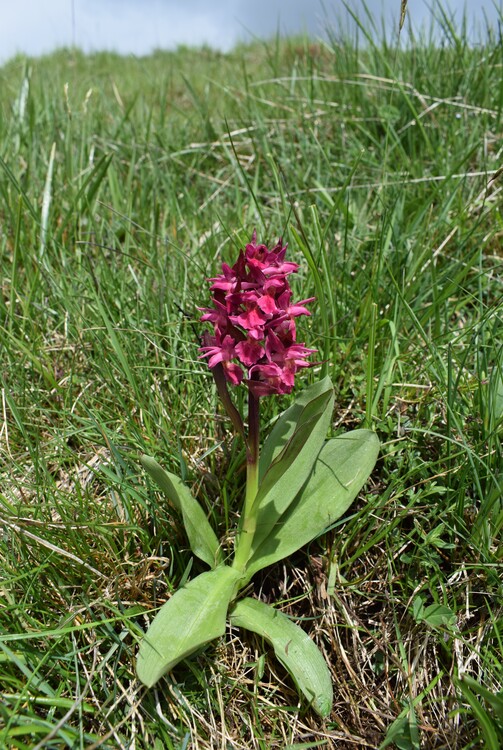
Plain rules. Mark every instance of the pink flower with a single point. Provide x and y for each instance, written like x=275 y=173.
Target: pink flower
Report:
x=222 y=351
x=249 y=352
x=251 y=318
x=289 y=358
x=216 y=315
x=254 y=321
x=267 y=301
x=265 y=380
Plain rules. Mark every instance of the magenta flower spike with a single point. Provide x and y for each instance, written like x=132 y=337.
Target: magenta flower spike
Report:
x=254 y=330
x=254 y=342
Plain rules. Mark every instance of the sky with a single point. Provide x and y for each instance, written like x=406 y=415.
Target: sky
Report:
x=35 y=27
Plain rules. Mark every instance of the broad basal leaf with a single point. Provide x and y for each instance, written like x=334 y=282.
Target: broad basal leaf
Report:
x=342 y=467
x=296 y=442
x=203 y=541
x=289 y=421
x=292 y=647
x=195 y=615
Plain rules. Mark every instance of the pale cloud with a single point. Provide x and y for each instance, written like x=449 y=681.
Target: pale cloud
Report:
x=34 y=27
x=139 y=27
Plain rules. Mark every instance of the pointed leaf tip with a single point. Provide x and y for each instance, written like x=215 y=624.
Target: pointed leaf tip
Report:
x=293 y=648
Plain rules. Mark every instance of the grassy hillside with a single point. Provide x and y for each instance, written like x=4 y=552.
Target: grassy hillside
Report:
x=124 y=183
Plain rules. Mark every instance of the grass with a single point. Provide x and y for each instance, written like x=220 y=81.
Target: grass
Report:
x=124 y=183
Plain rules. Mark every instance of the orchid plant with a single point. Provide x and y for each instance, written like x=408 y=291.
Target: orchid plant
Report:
x=297 y=484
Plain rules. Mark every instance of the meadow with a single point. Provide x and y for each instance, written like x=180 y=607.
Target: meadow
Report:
x=124 y=184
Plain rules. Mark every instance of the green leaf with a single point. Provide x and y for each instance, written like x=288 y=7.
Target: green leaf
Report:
x=287 y=423
x=342 y=467
x=418 y=609
x=292 y=449
x=292 y=647
x=195 y=615
x=203 y=541
x=403 y=732
x=435 y=615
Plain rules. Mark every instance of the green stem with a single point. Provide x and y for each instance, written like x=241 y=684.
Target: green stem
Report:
x=250 y=509
x=223 y=392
